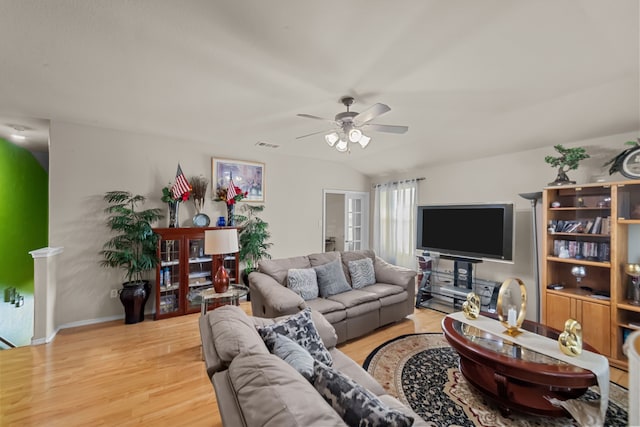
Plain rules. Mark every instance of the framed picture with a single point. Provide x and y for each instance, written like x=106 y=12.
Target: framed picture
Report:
x=248 y=176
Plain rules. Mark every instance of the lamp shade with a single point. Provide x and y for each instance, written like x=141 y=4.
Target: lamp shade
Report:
x=223 y=241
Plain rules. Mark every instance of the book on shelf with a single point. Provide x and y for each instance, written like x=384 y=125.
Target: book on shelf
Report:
x=597 y=225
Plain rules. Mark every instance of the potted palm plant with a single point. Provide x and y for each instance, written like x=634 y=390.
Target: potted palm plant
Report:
x=133 y=248
x=252 y=239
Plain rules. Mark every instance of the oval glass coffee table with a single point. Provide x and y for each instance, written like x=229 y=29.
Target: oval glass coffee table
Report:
x=209 y=296
x=512 y=376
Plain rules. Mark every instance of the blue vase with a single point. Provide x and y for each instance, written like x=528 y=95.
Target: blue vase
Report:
x=221 y=222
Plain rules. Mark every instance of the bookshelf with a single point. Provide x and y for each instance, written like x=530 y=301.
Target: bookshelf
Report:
x=593 y=226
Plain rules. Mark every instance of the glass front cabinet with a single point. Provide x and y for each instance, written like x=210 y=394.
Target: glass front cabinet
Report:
x=185 y=269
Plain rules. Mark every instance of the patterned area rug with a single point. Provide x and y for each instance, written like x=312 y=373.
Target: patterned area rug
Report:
x=421 y=370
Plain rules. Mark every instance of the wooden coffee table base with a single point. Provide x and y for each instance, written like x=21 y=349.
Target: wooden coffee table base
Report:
x=513 y=394
x=512 y=382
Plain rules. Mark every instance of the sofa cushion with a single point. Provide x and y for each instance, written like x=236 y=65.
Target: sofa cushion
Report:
x=303 y=281
x=362 y=273
x=353 y=297
x=325 y=328
x=383 y=289
x=322 y=258
x=348 y=256
x=272 y=394
x=292 y=353
x=331 y=279
x=278 y=268
x=300 y=328
x=353 y=402
x=233 y=333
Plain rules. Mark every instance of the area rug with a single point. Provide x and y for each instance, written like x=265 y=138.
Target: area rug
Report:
x=421 y=370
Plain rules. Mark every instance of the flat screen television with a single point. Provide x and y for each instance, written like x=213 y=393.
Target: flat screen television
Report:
x=474 y=231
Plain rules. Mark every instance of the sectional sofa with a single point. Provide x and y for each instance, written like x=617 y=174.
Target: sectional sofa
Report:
x=257 y=388
x=363 y=293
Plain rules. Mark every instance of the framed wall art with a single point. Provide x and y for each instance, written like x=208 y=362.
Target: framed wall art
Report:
x=248 y=176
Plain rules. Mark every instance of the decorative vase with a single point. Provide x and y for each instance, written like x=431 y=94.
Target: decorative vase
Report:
x=231 y=221
x=221 y=221
x=133 y=296
x=173 y=214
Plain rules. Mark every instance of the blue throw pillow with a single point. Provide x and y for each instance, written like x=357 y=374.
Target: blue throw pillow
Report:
x=292 y=353
x=331 y=279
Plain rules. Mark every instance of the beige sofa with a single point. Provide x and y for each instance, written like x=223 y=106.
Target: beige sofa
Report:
x=256 y=388
x=352 y=313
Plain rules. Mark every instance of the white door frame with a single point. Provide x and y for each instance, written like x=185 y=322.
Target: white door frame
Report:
x=364 y=196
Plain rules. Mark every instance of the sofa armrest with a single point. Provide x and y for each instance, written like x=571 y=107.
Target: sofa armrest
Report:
x=270 y=299
x=393 y=274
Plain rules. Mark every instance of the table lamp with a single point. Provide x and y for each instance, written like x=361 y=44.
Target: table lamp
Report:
x=221 y=242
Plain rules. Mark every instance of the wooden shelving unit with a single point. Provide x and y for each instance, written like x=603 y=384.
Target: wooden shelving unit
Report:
x=605 y=321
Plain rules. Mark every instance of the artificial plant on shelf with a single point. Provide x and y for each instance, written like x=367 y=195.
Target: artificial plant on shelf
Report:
x=133 y=248
x=568 y=159
x=230 y=199
x=253 y=234
x=173 y=203
x=199 y=191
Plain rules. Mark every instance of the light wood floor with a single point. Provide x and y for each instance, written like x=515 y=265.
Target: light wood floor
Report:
x=150 y=373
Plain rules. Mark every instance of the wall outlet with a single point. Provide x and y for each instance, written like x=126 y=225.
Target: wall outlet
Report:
x=114 y=293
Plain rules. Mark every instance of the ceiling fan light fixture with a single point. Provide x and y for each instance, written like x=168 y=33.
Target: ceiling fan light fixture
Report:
x=341 y=146
x=364 y=141
x=355 y=135
x=331 y=138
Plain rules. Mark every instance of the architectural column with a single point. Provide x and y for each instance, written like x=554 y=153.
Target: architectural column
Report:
x=44 y=294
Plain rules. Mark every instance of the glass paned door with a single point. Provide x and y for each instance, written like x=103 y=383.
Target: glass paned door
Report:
x=200 y=272
x=356 y=221
x=169 y=277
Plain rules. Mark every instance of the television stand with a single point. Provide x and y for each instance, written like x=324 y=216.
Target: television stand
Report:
x=446 y=291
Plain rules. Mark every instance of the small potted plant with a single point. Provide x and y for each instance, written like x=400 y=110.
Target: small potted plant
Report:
x=253 y=234
x=133 y=248
x=568 y=159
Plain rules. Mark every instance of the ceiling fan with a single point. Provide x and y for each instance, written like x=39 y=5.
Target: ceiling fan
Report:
x=350 y=125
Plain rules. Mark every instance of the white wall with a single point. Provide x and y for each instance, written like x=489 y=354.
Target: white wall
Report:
x=86 y=161
x=501 y=179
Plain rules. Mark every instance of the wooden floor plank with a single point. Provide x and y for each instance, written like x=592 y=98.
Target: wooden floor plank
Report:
x=150 y=373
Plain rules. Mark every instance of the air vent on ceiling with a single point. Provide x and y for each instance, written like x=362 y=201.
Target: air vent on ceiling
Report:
x=266 y=144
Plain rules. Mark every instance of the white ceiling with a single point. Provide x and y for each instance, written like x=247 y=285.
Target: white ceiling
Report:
x=470 y=78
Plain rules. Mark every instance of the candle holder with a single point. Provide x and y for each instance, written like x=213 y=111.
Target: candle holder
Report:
x=633 y=270
x=516 y=308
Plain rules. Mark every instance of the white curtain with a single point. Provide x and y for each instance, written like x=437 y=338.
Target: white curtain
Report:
x=394 y=222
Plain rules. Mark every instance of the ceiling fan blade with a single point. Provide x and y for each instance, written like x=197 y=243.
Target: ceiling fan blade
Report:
x=315 y=133
x=388 y=128
x=371 y=113
x=309 y=116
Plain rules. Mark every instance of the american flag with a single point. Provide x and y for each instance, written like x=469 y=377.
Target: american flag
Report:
x=181 y=186
x=231 y=189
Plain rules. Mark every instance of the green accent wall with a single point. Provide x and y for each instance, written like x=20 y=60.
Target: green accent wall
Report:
x=24 y=207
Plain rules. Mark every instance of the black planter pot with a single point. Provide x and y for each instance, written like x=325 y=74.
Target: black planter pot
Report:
x=245 y=280
x=133 y=296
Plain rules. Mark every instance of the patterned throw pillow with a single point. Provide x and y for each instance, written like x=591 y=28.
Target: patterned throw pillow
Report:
x=362 y=273
x=292 y=353
x=303 y=281
x=331 y=279
x=356 y=405
x=299 y=328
